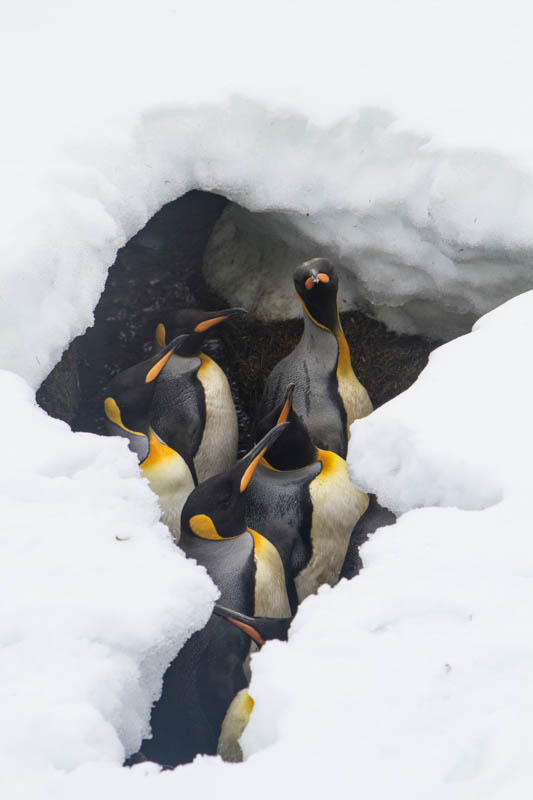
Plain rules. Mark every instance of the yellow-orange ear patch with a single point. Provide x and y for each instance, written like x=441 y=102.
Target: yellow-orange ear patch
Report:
x=112 y=411
x=309 y=283
x=161 y=335
x=203 y=526
x=322 y=277
x=159 y=452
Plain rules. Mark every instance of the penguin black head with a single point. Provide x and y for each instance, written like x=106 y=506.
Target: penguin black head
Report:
x=132 y=391
x=317 y=283
x=294 y=449
x=216 y=508
x=196 y=323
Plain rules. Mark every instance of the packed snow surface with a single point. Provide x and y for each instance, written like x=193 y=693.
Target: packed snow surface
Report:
x=95 y=597
x=395 y=137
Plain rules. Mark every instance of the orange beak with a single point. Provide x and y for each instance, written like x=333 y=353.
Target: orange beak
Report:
x=256 y=453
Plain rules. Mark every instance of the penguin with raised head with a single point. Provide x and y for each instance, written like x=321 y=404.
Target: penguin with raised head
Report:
x=195 y=388
x=327 y=396
x=303 y=501
x=130 y=395
x=245 y=566
x=210 y=669
x=163 y=449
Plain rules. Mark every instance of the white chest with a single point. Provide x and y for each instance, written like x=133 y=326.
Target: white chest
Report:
x=271 y=599
x=353 y=394
x=337 y=505
x=354 y=397
x=218 y=447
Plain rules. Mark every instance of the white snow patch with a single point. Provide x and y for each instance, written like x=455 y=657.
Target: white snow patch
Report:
x=95 y=598
x=460 y=435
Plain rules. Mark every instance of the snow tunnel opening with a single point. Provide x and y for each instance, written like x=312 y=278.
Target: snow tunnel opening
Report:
x=203 y=251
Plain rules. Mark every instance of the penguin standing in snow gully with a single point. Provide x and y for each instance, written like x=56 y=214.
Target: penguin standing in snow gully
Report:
x=302 y=499
x=260 y=630
x=194 y=388
x=327 y=396
x=201 y=683
x=165 y=458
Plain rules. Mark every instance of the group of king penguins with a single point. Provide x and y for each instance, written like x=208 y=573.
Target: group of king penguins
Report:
x=269 y=528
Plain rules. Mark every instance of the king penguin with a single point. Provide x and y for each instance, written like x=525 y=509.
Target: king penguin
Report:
x=197 y=389
x=260 y=630
x=328 y=397
x=165 y=457
x=303 y=501
x=210 y=669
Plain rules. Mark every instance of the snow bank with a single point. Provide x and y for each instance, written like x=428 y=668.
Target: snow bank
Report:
x=426 y=241
x=95 y=597
x=460 y=435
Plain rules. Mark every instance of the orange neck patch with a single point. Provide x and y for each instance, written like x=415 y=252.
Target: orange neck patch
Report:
x=205 y=364
x=158 y=453
x=327 y=459
x=259 y=541
x=344 y=362
x=161 y=335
